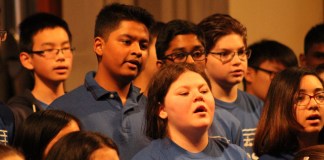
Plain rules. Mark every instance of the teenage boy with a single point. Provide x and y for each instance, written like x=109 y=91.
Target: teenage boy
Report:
x=45 y=50
x=313 y=47
x=108 y=102
x=227 y=56
x=267 y=59
x=182 y=41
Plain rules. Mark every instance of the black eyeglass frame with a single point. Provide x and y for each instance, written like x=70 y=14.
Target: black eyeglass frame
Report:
x=168 y=57
x=271 y=73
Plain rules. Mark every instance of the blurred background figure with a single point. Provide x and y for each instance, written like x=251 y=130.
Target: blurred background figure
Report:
x=267 y=59
x=313 y=47
x=149 y=66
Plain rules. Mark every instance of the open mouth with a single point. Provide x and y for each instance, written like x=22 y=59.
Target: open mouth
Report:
x=135 y=62
x=200 y=109
x=314 y=117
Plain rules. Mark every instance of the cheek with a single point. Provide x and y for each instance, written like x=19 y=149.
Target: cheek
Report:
x=300 y=117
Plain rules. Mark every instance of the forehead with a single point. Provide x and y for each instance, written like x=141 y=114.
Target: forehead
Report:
x=310 y=83
x=51 y=35
x=186 y=79
x=131 y=28
x=316 y=47
x=184 y=40
x=231 y=42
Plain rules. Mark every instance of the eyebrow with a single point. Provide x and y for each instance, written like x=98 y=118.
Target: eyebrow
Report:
x=133 y=38
x=316 y=90
x=183 y=48
x=225 y=49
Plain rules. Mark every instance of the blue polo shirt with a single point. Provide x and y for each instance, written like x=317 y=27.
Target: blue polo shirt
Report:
x=247 y=109
x=165 y=149
x=102 y=111
x=226 y=126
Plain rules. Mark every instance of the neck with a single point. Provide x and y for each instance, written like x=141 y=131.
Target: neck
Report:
x=142 y=81
x=223 y=92
x=48 y=92
x=191 y=141
x=109 y=83
x=308 y=140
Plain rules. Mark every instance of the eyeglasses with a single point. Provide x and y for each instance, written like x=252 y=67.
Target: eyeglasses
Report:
x=3 y=35
x=272 y=74
x=302 y=100
x=227 y=56
x=197 y=55
x=51 y=53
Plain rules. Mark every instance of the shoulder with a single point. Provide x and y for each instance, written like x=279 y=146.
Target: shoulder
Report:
x=152 y=151
x=250 y=99
x=73 y=97
x=26 y=99
x=227 y=149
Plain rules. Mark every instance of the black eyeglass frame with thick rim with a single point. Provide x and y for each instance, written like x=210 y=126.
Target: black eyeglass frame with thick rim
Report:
x=272 y=74
x=54 y=54
x=243 y=55
x=186 y=54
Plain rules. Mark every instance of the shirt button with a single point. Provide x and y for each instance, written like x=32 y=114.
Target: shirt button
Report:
x=111 y=96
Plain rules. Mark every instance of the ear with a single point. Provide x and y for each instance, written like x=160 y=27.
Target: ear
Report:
x=302 y=60
x=159 y=63
x=162 y=113
x=26 y=60
x=249 y=75
x=98 y=46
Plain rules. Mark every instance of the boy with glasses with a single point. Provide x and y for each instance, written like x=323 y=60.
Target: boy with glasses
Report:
x=227 y=56
x=269 y=57
x=182 y=41
x=45 y=50
x=108 y=102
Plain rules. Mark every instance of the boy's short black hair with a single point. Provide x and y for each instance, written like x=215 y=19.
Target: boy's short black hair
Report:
x=273 y=51
x=173 y=29
x=38 y=22
x=111 y=15
x=314 y=35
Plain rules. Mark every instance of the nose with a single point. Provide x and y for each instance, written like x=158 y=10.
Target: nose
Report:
x=236 y=59
x=60 y=54
x=190 y=59
x=312 y=104
x=198 y=97
x=136 y=50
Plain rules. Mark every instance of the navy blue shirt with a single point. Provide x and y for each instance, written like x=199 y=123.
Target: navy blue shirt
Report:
x=6 y=124
x=102 y=111
x=165 y=149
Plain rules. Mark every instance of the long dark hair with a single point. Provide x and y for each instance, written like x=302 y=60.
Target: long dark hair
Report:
x=38 y=130
x=278 y=127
